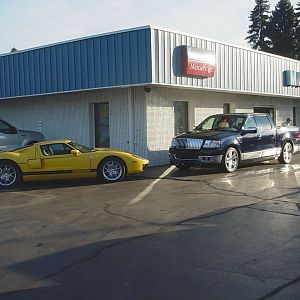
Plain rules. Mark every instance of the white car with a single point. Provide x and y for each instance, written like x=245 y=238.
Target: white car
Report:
x=13 y=138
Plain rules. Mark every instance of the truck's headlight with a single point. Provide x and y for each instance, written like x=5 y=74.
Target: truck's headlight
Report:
x=212 y=144
x=173 y=143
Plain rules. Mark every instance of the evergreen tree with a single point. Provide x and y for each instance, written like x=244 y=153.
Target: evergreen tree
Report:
x=282 y=29
x=259 y=17
x=297 y=33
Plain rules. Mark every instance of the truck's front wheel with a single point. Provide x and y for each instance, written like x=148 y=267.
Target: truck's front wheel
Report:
x=230 y=160
x=286 y=153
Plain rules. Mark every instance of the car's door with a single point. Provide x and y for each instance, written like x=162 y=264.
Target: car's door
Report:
x=58 y=159
x=267 y=136
x=249 y=144
x=9 y=137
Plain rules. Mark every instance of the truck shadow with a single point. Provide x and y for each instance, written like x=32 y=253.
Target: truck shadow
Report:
x=150 y=173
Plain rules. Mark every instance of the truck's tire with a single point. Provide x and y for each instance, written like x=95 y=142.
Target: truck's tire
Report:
x=231 y=160
x=286 y=155
x=182 y=167
x=10 y=174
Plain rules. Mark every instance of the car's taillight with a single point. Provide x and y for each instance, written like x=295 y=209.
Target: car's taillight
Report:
x=298 y=135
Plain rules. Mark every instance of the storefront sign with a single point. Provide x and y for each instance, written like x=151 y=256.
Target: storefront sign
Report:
x=291 y=78
x=198 y=62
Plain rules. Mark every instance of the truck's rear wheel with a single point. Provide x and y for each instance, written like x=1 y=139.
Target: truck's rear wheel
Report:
x=230 y=160
x=286 y=153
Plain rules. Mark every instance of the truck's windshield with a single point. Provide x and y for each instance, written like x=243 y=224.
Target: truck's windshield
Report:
x=222 y=123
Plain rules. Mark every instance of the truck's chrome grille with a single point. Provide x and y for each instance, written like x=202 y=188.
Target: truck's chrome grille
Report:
x=182 y=143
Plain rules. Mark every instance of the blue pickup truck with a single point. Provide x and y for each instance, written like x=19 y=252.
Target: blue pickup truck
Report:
x=225 y=140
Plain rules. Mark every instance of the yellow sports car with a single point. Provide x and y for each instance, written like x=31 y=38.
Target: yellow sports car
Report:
x=66 y=159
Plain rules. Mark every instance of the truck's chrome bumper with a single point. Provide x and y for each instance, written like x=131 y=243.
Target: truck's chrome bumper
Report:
x=210 y=159
x=201 y=160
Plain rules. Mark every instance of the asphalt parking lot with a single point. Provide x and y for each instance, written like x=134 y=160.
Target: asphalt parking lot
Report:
x=165 y=234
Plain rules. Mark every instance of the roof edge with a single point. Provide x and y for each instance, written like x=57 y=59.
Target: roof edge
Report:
x=78 y=39
x=223 y=43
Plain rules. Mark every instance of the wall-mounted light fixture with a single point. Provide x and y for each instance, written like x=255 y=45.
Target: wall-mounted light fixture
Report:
x=147 y=89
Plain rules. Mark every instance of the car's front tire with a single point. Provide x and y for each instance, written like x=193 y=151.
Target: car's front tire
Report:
x=286 y=155
x=10 y=174
x=111 y=169
x=230 y=160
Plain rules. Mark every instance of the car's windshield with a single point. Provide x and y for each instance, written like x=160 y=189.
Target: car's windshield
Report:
x=222 y=123
x=81 y=148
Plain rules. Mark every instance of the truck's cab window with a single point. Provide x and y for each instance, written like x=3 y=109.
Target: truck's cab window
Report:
x=250 y=123
x=264 y=122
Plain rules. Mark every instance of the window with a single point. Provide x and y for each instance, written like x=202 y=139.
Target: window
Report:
x=265 y=110
x=101 y=117
x=250 y=123
x=264 y=122
x=208 y=124
x=6 y=128
x=294 y=116
x=222 y=122
x=180 y=117
x=226 y=108
x=55 y=149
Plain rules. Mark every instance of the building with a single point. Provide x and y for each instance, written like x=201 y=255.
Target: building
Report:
x=134 y=89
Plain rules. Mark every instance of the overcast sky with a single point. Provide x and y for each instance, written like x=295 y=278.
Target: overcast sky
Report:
x=30 y=23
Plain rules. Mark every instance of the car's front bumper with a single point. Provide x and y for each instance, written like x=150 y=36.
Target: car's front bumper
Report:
x=137 y=166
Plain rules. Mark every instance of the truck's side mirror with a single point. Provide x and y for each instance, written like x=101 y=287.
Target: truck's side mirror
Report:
x=249 y=130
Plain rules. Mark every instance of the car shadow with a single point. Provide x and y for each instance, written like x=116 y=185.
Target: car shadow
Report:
x=150 y=173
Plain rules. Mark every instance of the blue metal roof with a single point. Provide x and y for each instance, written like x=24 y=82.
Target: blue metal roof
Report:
x=108 y=60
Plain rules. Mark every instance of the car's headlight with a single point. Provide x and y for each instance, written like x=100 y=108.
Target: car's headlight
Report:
x=212 y=144
x=173 y=143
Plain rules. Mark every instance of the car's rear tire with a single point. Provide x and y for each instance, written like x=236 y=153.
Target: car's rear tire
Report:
x=231 y=160
x=10 y=174
x=111 y=169
x=286 y=155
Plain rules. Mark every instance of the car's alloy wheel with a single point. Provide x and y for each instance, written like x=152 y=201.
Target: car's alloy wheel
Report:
x=231 y=160
x=9 y=175
x=112 y=170
x=286 y=153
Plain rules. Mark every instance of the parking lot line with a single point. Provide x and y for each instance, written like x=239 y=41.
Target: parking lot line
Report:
x=150 y=187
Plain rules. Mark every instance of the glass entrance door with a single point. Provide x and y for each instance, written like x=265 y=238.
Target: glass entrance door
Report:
x=181 y=117
x=101 y=117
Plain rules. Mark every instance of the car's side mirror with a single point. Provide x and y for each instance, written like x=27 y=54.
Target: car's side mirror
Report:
x=249 y=130
x=13 y=130
x=75 y=152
